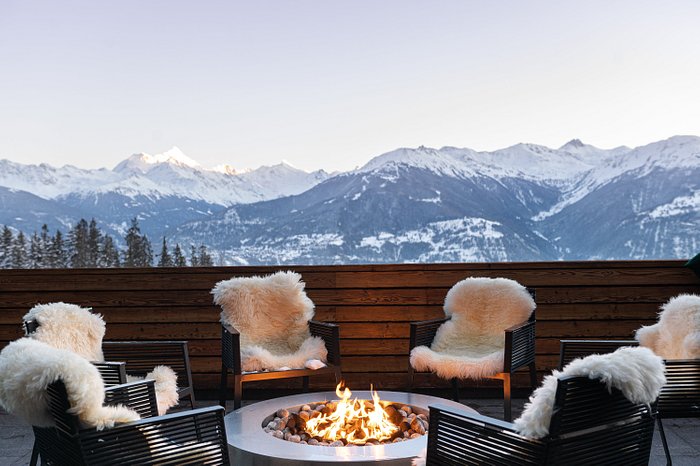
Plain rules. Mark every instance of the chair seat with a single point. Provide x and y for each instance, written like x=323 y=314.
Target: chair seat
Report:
x=461 y=363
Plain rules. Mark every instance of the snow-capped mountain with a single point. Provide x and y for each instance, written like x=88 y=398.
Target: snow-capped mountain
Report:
x=525 y=202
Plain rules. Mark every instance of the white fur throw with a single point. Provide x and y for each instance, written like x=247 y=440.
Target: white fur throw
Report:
x=471 y=343
x=272 y=315
x=28 y=367
x=70 y=327
x=637 y=372
x=677 y=333
x=76 y=329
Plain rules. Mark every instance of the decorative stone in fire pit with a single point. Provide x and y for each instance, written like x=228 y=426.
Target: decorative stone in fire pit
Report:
x=256 y=433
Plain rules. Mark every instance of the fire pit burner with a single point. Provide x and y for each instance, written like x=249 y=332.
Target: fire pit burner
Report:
x=249 y=444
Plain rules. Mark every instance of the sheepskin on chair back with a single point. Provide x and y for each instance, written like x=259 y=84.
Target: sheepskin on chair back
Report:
x=28 y=367
x=272 y=311
x=481 y=309
x=677 y=333
x=71 y=327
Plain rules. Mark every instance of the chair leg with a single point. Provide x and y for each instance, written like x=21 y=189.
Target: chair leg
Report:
x=305 y=384
x=506 y=397
x=409 y=381
x=533 y=375
x=663 y=440
x=338 y=375
x=222 y=386
x=455 y=390
x=35 y=455
x=237 y=391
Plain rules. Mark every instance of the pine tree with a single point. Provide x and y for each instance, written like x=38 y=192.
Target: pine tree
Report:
x=165 y=259
x=194 y=260
x=109 y=254
x=35 y=259
x=205 y=259
x=178 y=258
x=19 y=252
x=138 y=251
x=6 y=242
x=79 y=245
x=94 y=244
x=58 y=256
x=45 y=242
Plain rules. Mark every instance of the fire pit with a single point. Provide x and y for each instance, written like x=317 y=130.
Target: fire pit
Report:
x=252 y=440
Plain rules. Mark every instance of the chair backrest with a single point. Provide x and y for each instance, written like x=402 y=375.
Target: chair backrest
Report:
x=680 y=397
x=574 y=349
x=271 y=311
x=591 y=425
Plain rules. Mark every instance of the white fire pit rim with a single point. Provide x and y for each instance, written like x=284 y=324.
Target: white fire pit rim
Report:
x=250 y=444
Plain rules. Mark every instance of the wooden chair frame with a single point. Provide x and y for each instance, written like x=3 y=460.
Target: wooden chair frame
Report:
x=610 y=431
x=231 y=361
x=519 y=351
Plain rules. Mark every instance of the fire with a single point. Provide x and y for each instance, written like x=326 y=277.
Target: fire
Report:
x=355 y=421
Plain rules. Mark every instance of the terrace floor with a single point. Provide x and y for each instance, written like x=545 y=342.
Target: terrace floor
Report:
x=683 y=435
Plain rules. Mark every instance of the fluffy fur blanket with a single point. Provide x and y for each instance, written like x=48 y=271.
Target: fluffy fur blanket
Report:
x=74 y=328
x=28 y=367
x=71 y=327
x=272 y=314
x=471 y=343
x=637 y=372
x=677 y=333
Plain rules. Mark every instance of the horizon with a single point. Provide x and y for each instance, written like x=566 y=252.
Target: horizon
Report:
x=240 y=170
x=330 y=85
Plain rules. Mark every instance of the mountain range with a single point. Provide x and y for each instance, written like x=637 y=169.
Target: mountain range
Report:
x=523 y=203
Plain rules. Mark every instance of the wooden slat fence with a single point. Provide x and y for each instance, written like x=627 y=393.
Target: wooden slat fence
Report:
x=373 y=304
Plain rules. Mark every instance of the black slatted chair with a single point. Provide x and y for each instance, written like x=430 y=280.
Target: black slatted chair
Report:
x=519 y=344
x=231 y=361
x=589 y=425
x=184 y=438
x=679 y=398
x=140 y=357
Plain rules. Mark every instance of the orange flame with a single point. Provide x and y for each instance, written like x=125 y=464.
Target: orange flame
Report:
x=354 y=421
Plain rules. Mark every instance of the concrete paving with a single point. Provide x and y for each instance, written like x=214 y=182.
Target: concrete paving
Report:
x=683 y=435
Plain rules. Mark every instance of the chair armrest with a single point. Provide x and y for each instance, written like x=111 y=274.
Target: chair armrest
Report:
x=519 y=346
x=197 y=436
x=330 y=333
x=112 y=373
x=231 y=348
x=573 y=349
x=423 y=332
x=142 y=356
x=139 y=396
x=461 y=437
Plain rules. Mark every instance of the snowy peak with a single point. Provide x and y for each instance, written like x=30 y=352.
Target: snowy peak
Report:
x=143 y=162
x=574 y=144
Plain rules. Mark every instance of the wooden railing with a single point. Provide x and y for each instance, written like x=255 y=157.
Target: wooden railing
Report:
x=373 y=305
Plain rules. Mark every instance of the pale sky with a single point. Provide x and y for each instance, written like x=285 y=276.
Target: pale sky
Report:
x=331 y=84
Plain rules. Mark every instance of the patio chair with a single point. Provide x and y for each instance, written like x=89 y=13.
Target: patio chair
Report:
x=676 y=338
x=488 y=332
x=267 y=333
x=72 y=327
x=586 y=415
x=77 y=421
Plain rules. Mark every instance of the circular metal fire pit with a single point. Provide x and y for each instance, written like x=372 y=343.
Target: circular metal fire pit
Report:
x=250 y=445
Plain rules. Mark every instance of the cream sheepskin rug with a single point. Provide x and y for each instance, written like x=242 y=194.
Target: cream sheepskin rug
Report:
x=677 y=333
x=28 y=367
x=471 y=343
x=637 y=372
x=272 y=315
x=71 y=327
x=74 y=328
